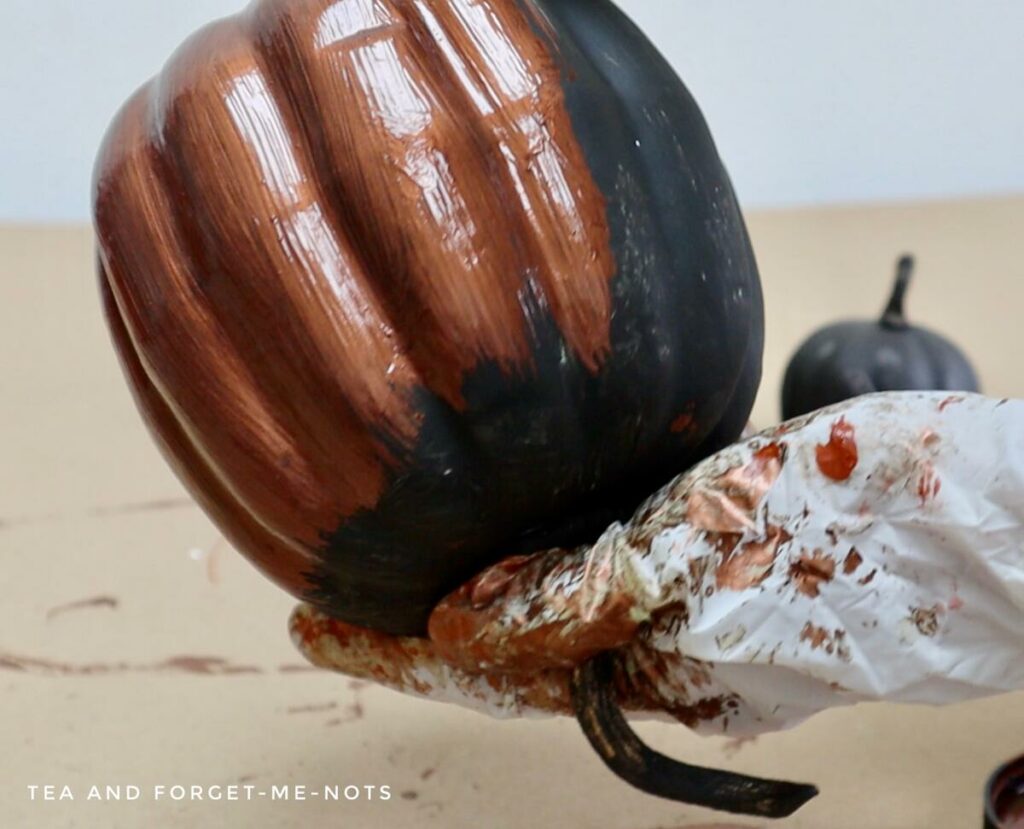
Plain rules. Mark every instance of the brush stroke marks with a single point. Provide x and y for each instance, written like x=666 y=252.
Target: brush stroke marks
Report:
x=405 y=286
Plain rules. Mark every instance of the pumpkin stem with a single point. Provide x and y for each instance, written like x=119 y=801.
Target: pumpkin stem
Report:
x=894 y=316
x=598 y=713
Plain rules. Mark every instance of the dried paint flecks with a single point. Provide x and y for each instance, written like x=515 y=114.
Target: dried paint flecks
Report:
x=751 y=564
x=815 y=635
x=926 y=619
x=929 y=484
x=698 y=569
x=707 y=826
x=677 y=611
x=369 y=654
x=208 y=665
x=852 y=562
x=194 y=665
x=353 y=712
x=156 y=505
x=705 y=710
x=83 y=604
x=831 y=642
x=728 y=641
x=838 y=458
x=296 y=669
x=811 y=571
x=413 y=665
x=312 y=708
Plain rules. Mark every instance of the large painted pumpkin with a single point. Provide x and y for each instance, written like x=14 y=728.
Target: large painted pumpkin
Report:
x=403 y=287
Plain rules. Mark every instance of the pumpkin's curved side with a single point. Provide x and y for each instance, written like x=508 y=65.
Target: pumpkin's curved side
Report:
x=282 y=562
x=384 y=272
x=254 y=441
x=249 y=287
x=211 y=389
x=688 y=331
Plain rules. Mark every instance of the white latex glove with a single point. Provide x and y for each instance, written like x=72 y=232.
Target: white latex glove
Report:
x=870 y=551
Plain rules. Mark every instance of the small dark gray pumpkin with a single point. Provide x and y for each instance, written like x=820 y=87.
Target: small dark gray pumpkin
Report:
x=848 y=359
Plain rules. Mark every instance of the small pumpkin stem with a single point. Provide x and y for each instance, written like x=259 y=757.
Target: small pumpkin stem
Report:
x=598 y=713
x=894 y=316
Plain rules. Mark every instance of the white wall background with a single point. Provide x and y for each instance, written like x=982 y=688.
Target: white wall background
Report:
x=810 y=101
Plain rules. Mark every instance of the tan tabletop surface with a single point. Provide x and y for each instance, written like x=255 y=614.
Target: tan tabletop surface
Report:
x=136 y=648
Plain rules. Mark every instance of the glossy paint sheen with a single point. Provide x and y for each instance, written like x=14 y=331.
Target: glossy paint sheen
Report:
x=405 y=286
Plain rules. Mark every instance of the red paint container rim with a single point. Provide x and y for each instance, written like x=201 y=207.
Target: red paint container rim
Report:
x=1004 y=797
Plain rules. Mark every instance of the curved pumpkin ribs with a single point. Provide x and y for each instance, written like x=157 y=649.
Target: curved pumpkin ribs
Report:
x=451 y=124
x=417 y=282
x=274 y=556
x=393 y=186
x=405 y=287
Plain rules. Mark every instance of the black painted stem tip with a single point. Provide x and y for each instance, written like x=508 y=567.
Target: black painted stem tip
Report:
x=894 y=315
x=598 y=712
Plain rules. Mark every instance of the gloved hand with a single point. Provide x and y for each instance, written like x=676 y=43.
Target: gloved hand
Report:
x=870 y=551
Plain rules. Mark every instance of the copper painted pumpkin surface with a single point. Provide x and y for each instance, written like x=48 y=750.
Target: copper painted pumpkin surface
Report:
x=403 y=287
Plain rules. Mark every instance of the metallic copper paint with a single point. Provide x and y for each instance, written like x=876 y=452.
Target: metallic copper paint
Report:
x=318 y=207
x=574 y=626
x=838 y=458
x=729 y=503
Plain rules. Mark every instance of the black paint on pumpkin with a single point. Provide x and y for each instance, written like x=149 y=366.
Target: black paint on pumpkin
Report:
x=552 y=459
x=849 y=359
